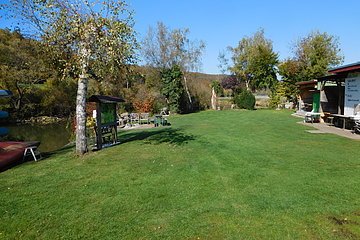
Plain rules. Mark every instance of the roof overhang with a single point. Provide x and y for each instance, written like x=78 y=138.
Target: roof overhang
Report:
x=311 y=82
x=105 y=99
x=340 y=77
x=354 y=67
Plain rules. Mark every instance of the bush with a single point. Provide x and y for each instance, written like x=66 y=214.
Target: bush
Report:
x=245 y=99
x=172 y=87
x=219 y=91
x=230 y=82
x=278 y=96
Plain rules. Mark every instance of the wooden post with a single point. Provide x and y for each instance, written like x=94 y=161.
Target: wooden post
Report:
x=98 y=126
x=340 y=96
x=115 y=125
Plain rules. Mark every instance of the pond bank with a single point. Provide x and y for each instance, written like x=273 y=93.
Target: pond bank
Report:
x=44 y=120
x=34 y=120
x=52 y=136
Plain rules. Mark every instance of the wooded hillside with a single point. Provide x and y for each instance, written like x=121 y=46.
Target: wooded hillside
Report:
x=41 y=88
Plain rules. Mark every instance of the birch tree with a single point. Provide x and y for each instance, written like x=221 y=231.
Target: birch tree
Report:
x=164 y=48
x=88 y=31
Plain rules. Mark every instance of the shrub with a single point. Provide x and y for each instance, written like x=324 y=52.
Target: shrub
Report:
x=219 y=91
x=230 y=82
x=278 y=95
x=172 y=87
x=143 y=100
x=144 y=106
x=245 y=99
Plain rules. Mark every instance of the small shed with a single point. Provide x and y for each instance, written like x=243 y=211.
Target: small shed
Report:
x=106 y=119
x=340 y=91
x=307 y=98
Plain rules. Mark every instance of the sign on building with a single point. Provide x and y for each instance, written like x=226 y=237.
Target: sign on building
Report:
x=352 y=95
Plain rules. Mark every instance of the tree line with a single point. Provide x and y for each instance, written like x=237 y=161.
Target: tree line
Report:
x=90 y=47
x=255 y=64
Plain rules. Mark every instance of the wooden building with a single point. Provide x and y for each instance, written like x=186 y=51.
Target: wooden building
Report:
x=340 y=91
x=307 y=94
x=334 y=97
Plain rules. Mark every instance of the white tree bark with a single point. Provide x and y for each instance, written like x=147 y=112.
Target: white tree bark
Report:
x=247 y=83
x=213 y=99
x=81 y=141
x=187 y=91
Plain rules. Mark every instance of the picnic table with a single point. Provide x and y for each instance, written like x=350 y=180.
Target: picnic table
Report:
x=343 y=118
x=311 y=117
x=159 y=120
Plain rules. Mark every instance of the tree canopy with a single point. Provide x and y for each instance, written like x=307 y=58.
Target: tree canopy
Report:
x=172 y=87
x=316 y=53
x=254 y=61
x=163 y=48
x=23 y=67
x=89 y=34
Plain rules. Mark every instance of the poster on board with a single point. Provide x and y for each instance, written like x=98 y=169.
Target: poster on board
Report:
x=352 y=95
x=108 y=113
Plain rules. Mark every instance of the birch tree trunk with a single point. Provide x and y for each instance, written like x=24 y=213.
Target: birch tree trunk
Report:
x=213 y=99
x=81 y=142
x=247 y=83
x=187 y=91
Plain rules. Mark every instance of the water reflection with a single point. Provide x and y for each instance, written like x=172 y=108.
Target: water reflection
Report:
x=52 y=136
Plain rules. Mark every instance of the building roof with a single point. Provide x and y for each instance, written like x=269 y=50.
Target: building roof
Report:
x=105 y=99
x=311 y=82
x=346 y=68
x=334 y=77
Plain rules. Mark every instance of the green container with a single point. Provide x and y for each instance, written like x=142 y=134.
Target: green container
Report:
x=316 y=102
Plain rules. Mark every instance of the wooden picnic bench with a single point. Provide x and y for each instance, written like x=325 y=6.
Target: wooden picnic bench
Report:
x=342 y=118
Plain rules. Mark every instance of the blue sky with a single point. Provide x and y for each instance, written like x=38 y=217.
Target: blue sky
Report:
x=223 y=23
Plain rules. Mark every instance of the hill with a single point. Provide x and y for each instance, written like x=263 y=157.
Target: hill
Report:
x=198 y=83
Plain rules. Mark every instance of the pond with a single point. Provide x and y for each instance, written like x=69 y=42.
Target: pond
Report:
x=52 y=136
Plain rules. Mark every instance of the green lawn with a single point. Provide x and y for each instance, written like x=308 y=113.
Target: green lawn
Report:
x=211 y=175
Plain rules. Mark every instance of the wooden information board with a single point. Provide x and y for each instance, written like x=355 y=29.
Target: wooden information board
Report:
x=352 y=95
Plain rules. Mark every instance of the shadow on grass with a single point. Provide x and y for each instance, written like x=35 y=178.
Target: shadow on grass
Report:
x=68 y=148
x=158 y=136
x=163 y=135
x=44 y=156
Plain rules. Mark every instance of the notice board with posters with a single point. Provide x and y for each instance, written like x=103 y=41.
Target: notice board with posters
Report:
x=108 y=113
x=106 y=122
x=352 y=95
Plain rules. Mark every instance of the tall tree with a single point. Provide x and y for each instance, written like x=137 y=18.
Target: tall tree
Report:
x=21 y=66
x=289 y=69
x=91 y=31
x=254 y=61
x=172 y=88
x=164 y=48
x=313 y=56
x=316 y=53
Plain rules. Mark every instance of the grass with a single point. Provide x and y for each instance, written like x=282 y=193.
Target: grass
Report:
x=211 y=175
